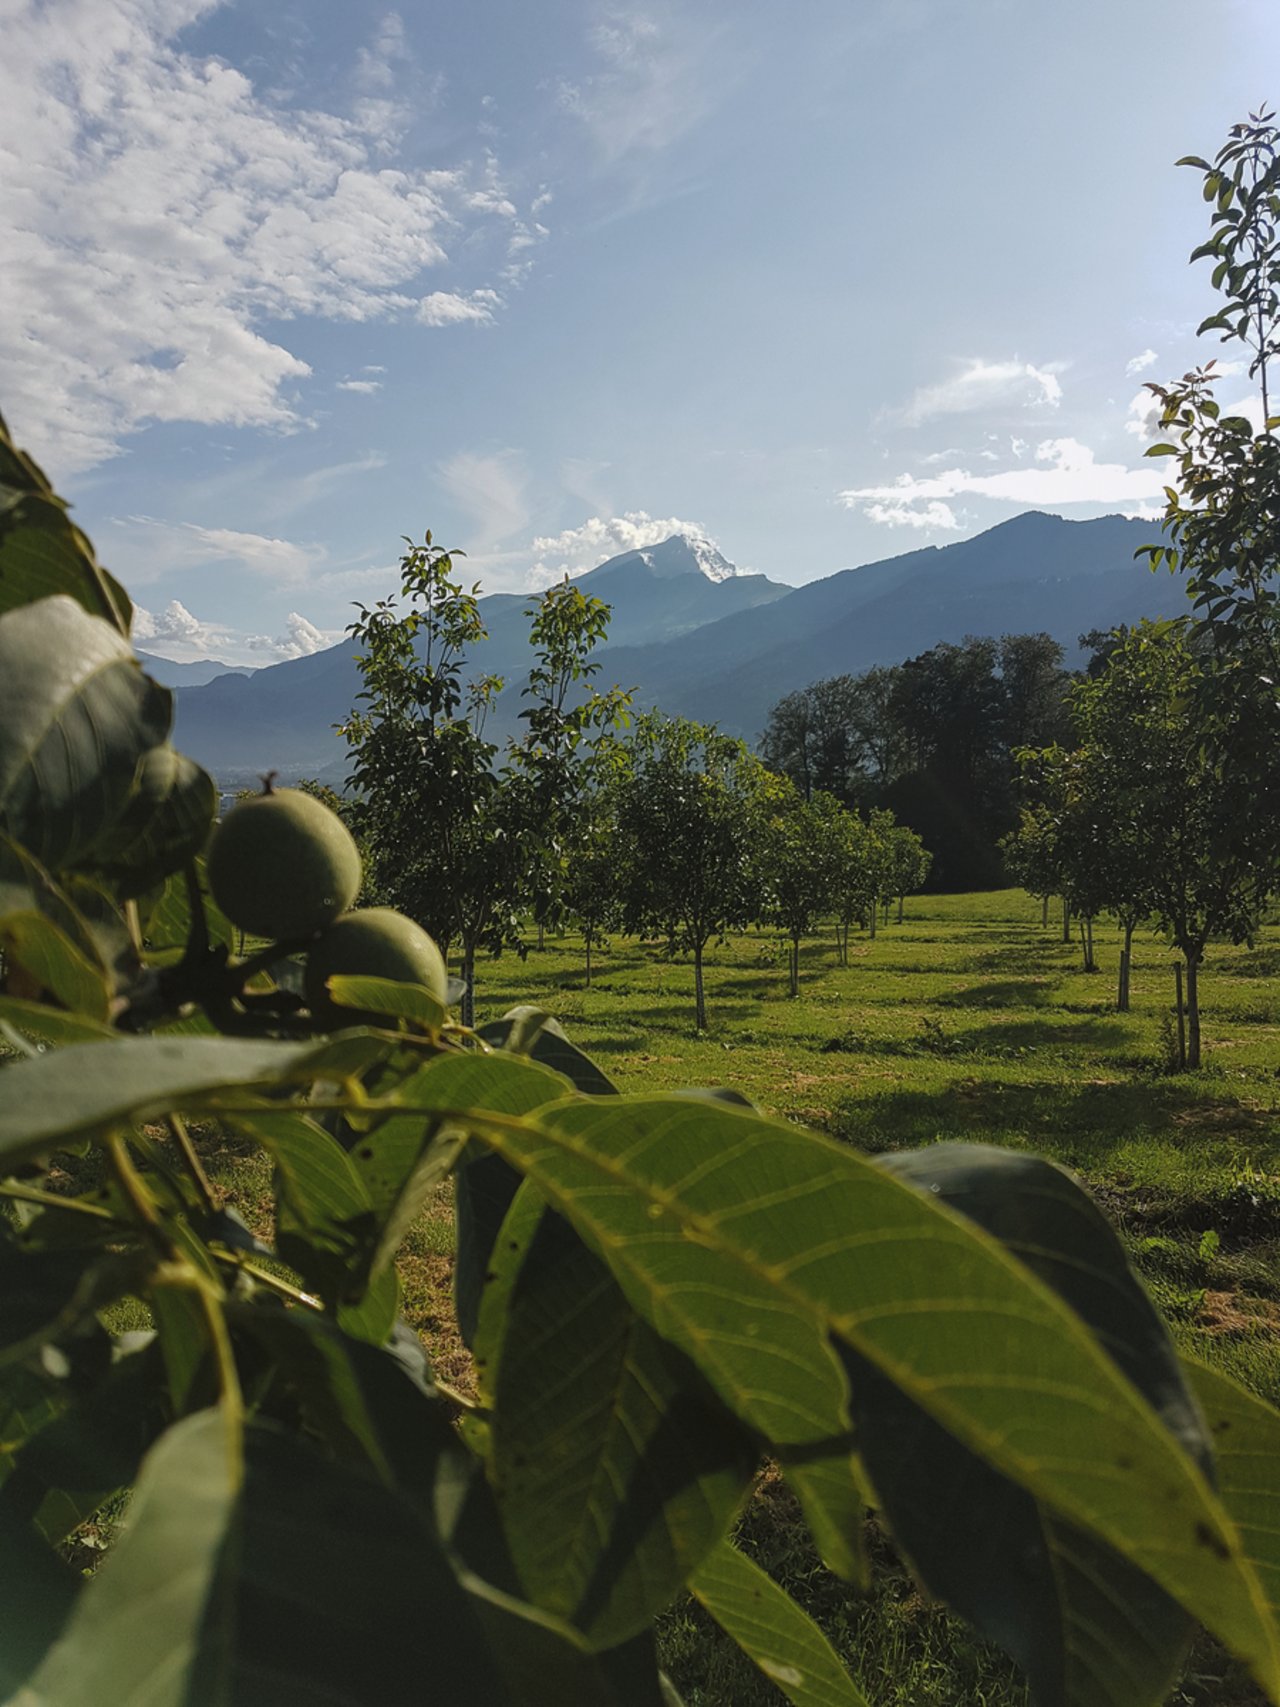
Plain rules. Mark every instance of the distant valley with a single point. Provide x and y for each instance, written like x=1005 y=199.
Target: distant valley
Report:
x=691 y=635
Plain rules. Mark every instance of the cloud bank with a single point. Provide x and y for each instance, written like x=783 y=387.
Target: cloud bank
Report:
x=157 y=210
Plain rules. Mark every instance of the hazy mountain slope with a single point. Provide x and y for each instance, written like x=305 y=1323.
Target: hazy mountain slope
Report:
x=282 y=717
x=1032 y=573
x=174 y=675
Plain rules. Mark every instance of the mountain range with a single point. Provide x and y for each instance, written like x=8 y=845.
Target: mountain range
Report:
x=692 y=635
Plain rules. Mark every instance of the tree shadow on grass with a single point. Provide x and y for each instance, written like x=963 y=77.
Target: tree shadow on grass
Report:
x=1000 y=993
x=1086 y=1121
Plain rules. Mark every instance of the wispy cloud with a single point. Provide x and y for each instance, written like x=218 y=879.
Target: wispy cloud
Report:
x=984 y=386
x=491 y=490
x=366 y=387
x=156 y=548
x=1065 y=473
x=1140 y=363
x=650 y=81
x=157 y=211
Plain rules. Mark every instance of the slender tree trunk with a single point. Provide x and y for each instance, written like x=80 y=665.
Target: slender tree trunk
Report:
x=1182 y=1026
x=587 y=935
x=1086 y=942
x=1122 y=996
x=469 y=979
x=699 y=994
x=795 y=966
x=902 y=901
x=871 y=929
x=1193 y=1012
x=542 y=938
x=1044 y=913
x=1066 y=920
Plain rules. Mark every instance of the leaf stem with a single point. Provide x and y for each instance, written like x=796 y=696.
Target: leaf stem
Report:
x=182 y=1138
x=52 y=1200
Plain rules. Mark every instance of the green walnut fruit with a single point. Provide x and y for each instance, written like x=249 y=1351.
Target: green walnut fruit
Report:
x=376 y=942
x=282 y=865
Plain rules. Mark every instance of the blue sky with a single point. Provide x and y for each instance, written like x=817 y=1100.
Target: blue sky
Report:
x=827 y=281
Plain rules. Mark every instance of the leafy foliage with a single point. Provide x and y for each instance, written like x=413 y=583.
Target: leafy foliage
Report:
x=660 y=1291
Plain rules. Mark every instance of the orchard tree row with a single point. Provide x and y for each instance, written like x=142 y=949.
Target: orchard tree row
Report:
x=656 y=826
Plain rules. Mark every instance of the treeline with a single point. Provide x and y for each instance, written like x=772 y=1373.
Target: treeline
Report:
x=656 y=826
x=931 y=740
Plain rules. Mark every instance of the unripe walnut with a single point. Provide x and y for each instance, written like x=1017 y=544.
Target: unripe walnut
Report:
x=376 y=942
x=282 y=865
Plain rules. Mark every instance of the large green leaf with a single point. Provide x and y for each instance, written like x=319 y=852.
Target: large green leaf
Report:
x=1087 y=1628
x=165 y=823
x=42 y=551
x=324 y=1214
x=254 y=1571
x=77 y=717
x=95 y=1442
x=780 y=1638
x=39 y=1594
x=738 y=1237
x=86 y=1090
x=42 y=931
x=390 y=997
x=1245 y=1431
x=166 y=916
x=484 y=1184
x=616 y=1469
x=529 y=1031
x=53 y=1025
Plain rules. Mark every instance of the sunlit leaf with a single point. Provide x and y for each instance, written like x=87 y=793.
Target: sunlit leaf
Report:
x=779 y=1636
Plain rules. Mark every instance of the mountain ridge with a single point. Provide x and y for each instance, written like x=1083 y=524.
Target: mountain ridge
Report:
x=725 y=650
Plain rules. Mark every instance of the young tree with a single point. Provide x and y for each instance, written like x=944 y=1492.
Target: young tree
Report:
x=1222 y=514
x=799 y=851
x=430 y=811
x=548 y=774
x=688 y=810
x=909 y=862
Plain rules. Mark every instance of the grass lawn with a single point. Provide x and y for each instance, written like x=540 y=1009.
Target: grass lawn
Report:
x=969 y=1020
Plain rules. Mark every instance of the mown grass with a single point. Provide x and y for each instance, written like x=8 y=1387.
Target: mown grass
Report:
x=969 y=1020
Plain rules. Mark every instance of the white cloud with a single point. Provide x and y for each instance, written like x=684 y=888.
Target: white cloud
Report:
x=895 y=513
x=376 y=65
x=177 y=634
x=366 y=386
x=446 y=308
x=1067 y=474
x=1143 y=418
x=578 y=549
x=156 y=210
x=983 y=385
x=152 y=549
x=1140 y=363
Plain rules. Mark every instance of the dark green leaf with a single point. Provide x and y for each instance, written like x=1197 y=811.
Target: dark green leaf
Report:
x=77 y=717
x=254 y=1571
x=529 y=1031
x=87 y=1089
x=615 y=1468
x=164 y=825
x=43 y=932
x=42 y=551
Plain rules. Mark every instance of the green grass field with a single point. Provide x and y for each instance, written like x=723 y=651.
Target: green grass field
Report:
x=969 y=1020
